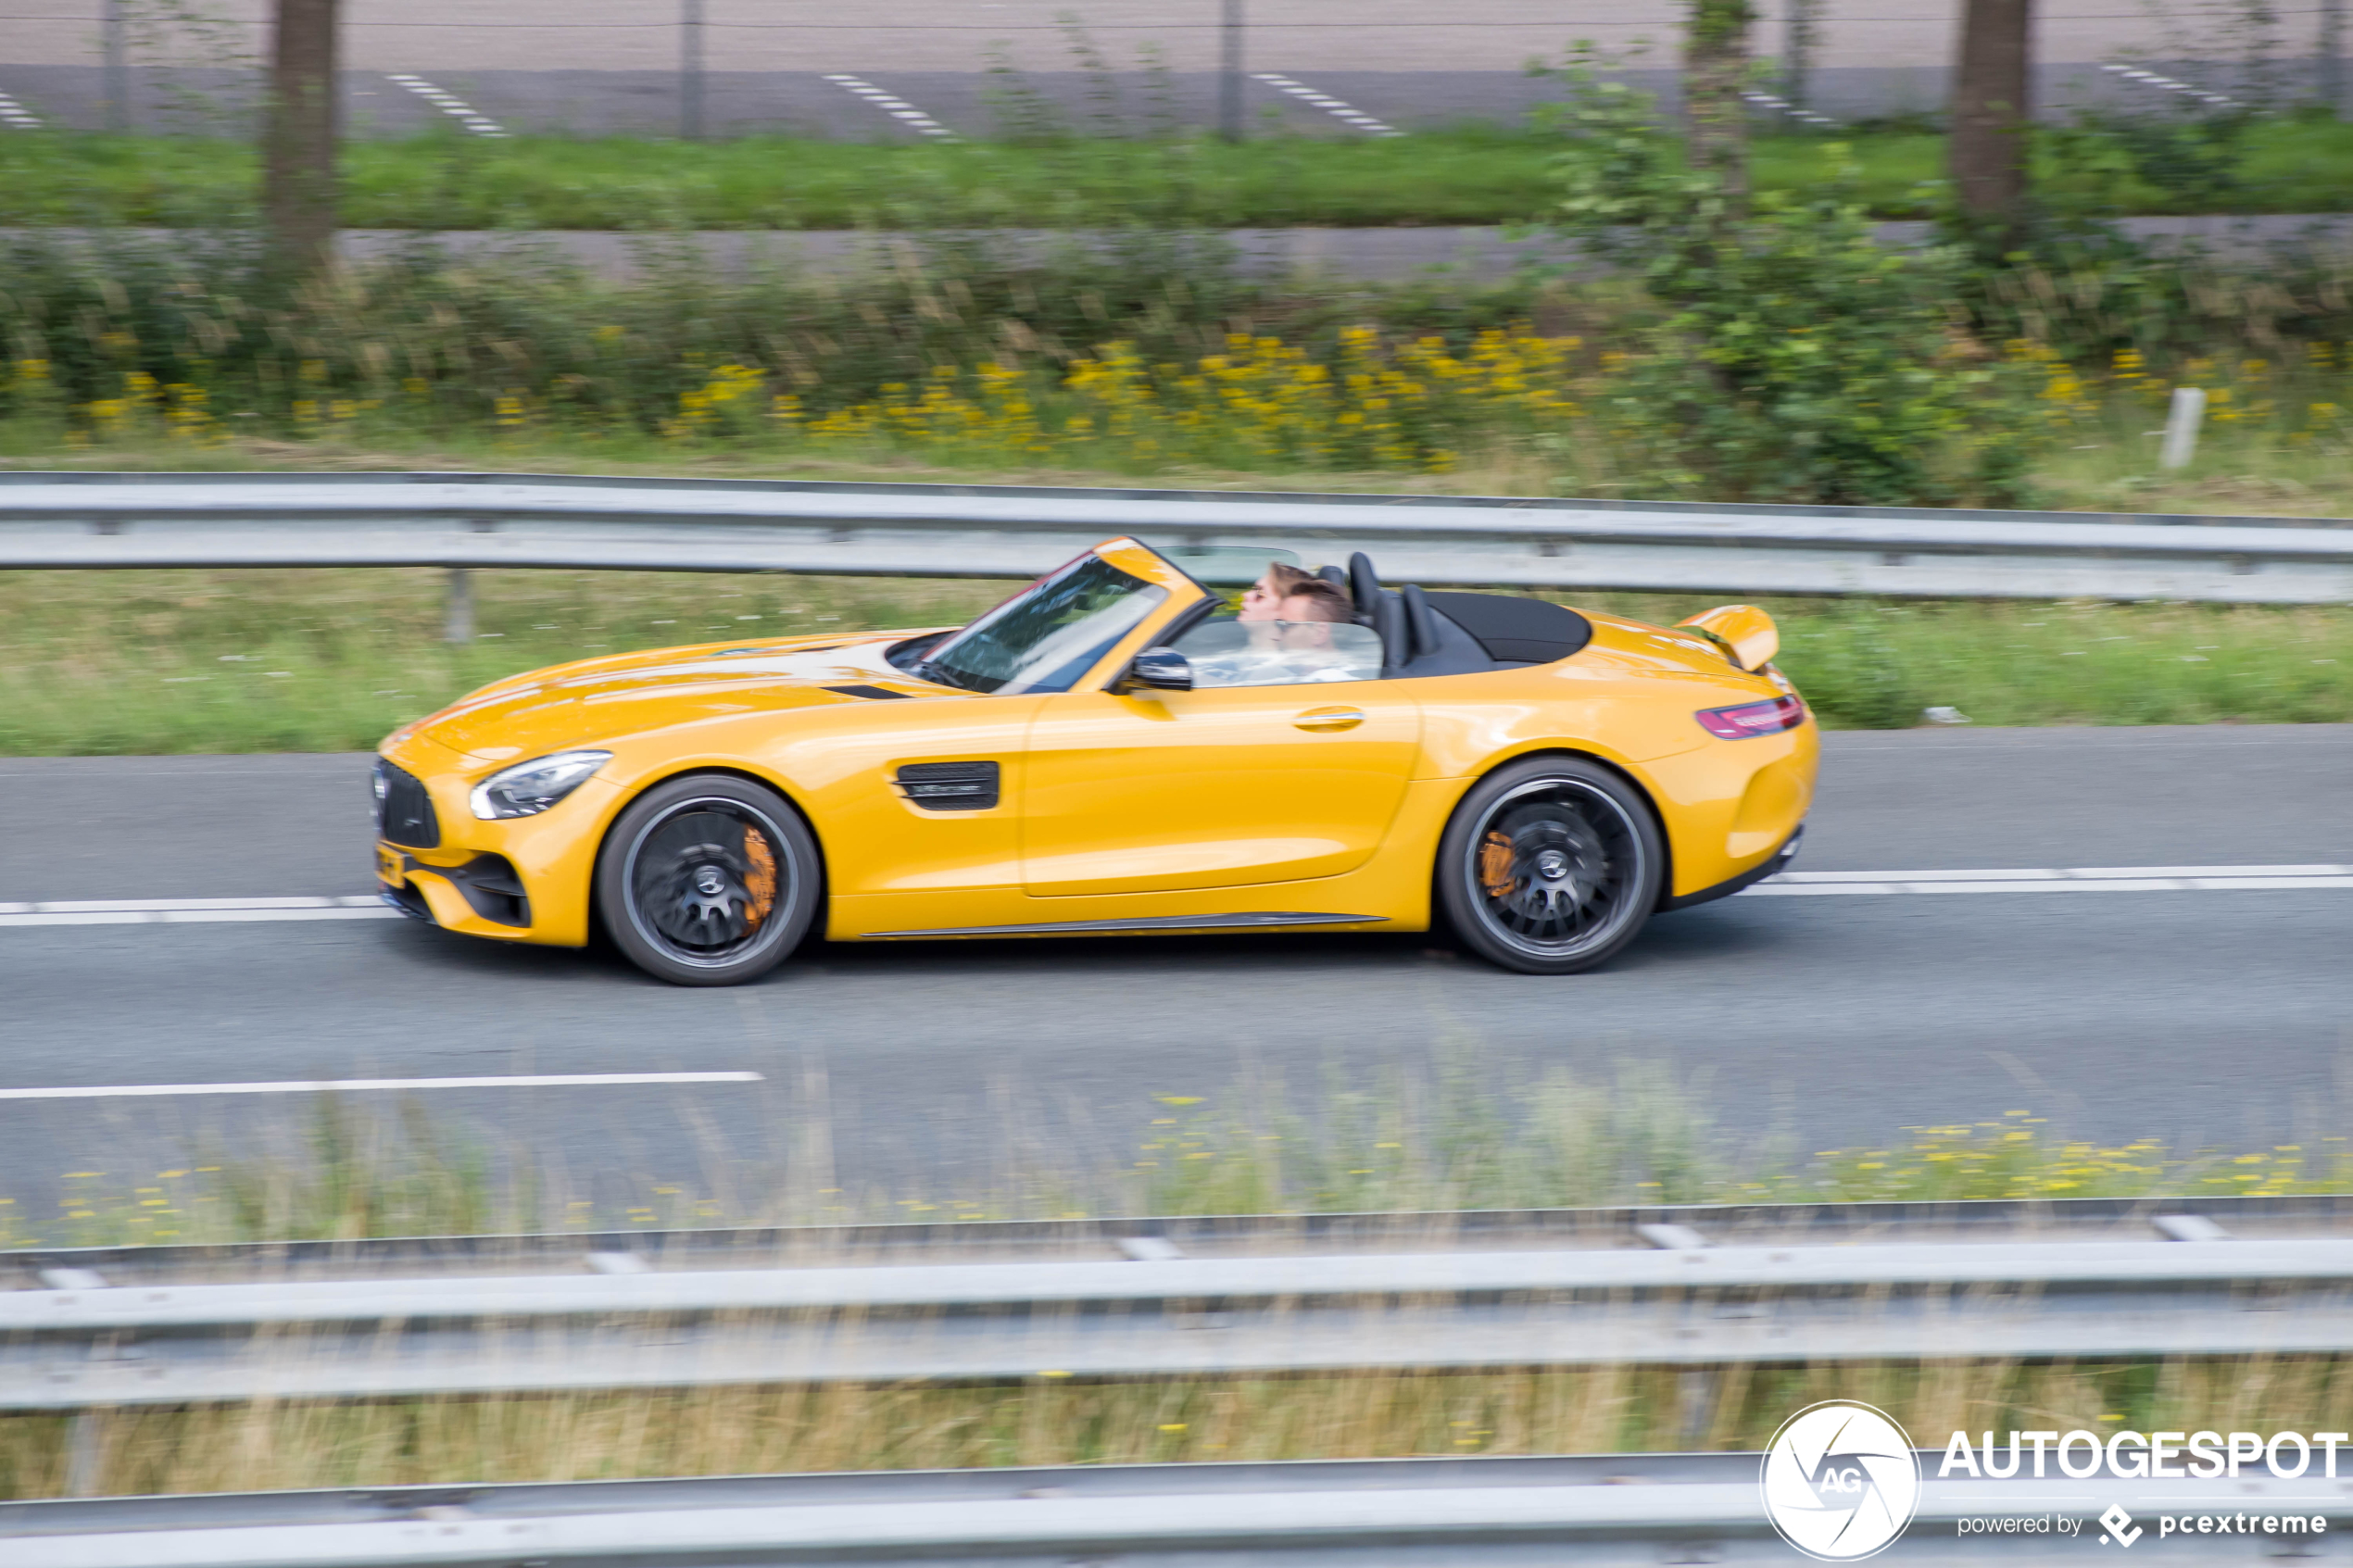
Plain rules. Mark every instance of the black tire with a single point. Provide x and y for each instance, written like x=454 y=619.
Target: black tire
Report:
x=1549 y=866
x=707 y=880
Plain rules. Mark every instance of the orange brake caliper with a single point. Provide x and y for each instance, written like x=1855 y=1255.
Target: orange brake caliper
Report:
x=1495 y=858
x=760 y=880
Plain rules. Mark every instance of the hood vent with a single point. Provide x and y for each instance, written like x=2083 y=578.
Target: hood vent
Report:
x=877 y=693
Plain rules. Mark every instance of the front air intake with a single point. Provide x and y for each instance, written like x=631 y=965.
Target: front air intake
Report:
x=404 y=811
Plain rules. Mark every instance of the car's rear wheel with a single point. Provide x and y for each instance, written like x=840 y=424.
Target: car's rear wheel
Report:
x=1549 y=866
x=707 y=880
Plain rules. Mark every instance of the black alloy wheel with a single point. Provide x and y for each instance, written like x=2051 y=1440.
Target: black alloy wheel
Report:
x=707 y=880
x=1549 y=866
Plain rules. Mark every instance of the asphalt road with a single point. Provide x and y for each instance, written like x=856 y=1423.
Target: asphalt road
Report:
x=2189 y=1016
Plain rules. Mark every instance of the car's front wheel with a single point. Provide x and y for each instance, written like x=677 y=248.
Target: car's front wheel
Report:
x=1549 y=866
x=707 y=880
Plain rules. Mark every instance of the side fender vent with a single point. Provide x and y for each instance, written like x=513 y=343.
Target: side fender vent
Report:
x=950 y=786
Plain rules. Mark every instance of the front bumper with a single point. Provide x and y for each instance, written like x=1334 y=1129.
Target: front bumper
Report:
x=487 y=884
x=523 y=879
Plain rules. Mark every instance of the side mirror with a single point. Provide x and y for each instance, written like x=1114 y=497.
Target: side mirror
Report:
x=1161 y=670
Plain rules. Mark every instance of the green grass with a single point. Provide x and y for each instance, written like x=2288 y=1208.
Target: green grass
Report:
x=151 y=662
x=1451 y=1138
x=1470 y=176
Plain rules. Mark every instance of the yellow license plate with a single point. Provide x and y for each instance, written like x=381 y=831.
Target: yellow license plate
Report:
x=388 y=867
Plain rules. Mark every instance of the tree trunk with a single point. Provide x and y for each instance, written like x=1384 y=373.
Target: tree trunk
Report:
x=1988 y=151
x=1715 y=71
x=298 y=142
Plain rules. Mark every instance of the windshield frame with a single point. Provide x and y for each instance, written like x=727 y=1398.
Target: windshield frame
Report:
x=1175 y=591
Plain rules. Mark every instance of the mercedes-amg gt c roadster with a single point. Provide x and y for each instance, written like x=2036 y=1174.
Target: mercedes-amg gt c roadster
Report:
x=1111 y=751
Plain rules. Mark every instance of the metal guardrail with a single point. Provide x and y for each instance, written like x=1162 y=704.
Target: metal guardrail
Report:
x=1613 y=1510
x=468 y=520
x=1863 y=1222
x=77 y=1341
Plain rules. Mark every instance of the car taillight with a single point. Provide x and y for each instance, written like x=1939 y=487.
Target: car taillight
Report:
x=1753 y=718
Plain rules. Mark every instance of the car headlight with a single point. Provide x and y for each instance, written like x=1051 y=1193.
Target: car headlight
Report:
x=528 y=788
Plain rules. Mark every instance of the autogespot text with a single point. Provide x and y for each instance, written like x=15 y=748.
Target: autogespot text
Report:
x=2137 y=1455
x=2132 y=1455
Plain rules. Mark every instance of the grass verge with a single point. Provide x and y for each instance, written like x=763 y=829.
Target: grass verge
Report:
x=144 y=663
x=1462 y=176
x=149 y=662
x=1047 y=1422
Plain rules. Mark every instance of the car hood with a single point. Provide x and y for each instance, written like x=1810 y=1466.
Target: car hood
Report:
x=598 y=699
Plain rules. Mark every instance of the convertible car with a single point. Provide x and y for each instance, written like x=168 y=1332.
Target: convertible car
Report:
x=1110 y=750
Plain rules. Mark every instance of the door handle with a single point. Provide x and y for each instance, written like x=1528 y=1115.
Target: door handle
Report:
x=1329 y=719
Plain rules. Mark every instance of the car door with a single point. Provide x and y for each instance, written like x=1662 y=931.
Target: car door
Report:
x=1223 y=787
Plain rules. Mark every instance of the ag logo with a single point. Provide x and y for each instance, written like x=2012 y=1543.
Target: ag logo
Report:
x=1839 y=1481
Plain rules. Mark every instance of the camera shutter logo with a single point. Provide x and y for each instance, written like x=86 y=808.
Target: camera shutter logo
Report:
x=1839 y=1481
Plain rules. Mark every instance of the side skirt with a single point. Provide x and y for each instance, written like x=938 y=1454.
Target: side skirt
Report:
x=1148 y=922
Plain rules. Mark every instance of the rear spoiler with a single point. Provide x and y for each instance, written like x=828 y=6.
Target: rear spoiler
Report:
x=1746 y=633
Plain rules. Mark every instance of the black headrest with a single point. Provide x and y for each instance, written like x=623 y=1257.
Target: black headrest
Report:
x=1333 y=575
x=1363 y=586
x=1420 y=625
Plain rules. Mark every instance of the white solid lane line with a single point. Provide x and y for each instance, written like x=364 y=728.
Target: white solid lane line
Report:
x=1790 y=884
x=1329 y=104
x=2068 y=873
x=348 y=1085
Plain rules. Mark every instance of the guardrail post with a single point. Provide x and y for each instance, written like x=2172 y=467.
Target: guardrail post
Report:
x=2181 y=428
x=85 y=1453
x=457 y=625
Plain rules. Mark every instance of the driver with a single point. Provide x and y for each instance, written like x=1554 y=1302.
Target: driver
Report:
x=1287 y=616
x=1262 y=600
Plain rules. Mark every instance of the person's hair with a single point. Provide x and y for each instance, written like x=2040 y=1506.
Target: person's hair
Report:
x=1286 y=579
x=1324 y=602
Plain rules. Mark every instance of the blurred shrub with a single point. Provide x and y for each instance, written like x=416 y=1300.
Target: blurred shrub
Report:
x=1794 y=360
x=1792 y=356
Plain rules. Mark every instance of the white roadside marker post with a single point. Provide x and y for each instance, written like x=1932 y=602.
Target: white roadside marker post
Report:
x=2181 y=428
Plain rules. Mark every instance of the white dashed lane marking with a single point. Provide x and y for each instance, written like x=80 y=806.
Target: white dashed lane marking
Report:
x=13 y=113
x=894 y=105
x=354 y=1085
x=448 y=104
x=193 y=912
x=1328 y=104
x=1782 y=106
x=2169 y=84
x=2077 y=879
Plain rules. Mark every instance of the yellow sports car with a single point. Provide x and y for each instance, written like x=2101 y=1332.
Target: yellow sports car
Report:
x=1114 y=749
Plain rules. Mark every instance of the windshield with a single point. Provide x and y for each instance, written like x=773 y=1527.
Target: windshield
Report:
x=1048 y=635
